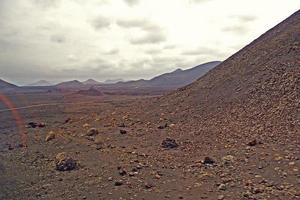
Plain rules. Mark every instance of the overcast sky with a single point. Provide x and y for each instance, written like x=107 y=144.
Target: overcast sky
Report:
x=107 y=39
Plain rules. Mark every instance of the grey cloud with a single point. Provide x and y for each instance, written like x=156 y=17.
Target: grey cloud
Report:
x=46 y=4
x=58 y=39
x=170 y=46
x=166 y=59
x=138 y=23
x=236 y=29
x=137 y=65
x=204 y=51
x=112 y=52
x=132 y=23
x=101 y=22
x=153 y=51
x=244 y=18
x=149 y=38
x=132 y=2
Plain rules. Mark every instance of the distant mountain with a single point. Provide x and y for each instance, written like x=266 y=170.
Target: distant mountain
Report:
x=90 y=92
x=41 y=83
x=75 y=84
x=91 y=82
x=113 y=81
x=179 y=77
x=175 y=79
x=6 y=86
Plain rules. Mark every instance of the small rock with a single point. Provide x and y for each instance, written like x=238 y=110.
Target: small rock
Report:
x=169 y=143
x=291 y=163
x=122 y=131
x=50 y=136
x=85 y=125
x=122 y=172
x=257 y=190
x=98 y=147
x=132 y=173
x=208 y=161
x=32 y=125
x=119 y=183
x=162 y=126
x=221 y=197
x=252 y=143
x=157 y=176
x=122 y=125
x=67 y=120
x=64 y=163
x=222 y=187
x=41 y=125
x=92 y=132
x=149 y=185
x=228 y=159
x=10 y=147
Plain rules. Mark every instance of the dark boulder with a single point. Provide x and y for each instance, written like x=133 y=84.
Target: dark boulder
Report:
x=169 y=143
x=63 y=162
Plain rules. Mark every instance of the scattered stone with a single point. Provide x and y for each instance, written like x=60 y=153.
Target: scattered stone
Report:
x=169 y=143
x=86 y=125
x=252 y=143
x=157 y=176
x=163 y=126
x=64 y=163
x=122 y=125
x=221 y=197
x=122 y=172
x=257 y=190
x=122 y=131
x=171 y=125
x=228 y=159
x=32 y=125
x=208 y=161
x=20 y=145
x=67 y=120
x=222 y=187
x=35 y=125
x=41 y=125
x=50 y=136
x=291 y=163
x=119 y=183
x=92 y=132
x=10 y=147
x=132 y=173
x=98 y=147
x=149 y=185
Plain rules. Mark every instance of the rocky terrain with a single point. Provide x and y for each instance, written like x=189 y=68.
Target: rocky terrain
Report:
x=232 y=134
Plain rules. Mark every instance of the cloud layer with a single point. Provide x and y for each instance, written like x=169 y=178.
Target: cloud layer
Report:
x=130 y=39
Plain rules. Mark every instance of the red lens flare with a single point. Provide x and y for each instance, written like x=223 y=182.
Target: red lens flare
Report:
x=18 y=119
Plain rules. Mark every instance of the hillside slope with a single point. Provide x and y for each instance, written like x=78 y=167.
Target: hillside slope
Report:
x=255 y=91
x=6 y=86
